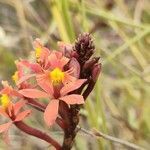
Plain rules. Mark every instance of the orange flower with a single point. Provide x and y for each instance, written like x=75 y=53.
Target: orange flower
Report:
x=55 y=81
x=11 y=111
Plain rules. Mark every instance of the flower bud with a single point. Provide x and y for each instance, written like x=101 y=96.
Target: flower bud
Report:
x=88 y=66
x=90 y=63
x=96 y=71
x=84 y=47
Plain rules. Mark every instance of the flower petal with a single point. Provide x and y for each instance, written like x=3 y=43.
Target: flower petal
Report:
x=7 y=88
x=33 y=93
x=10 y=91
x=73 y=99
x=18 y=106
x=22 y=115
x=44 y=82
x=5 y=127
x=53 y=60
x=36 y=68
x=66 y=48
x=51 y=112
x=19 y=68
x=64 y=61
x=44 y=51
x=2 y=112
x=10 y=109
x=72 y=86
x=68 y=78
x=15 y=93
x=37 y=43
x=57 y=60
x=76 y=66
x=25 y=78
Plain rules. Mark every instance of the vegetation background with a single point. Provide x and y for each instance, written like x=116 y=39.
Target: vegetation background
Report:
x=120 y=104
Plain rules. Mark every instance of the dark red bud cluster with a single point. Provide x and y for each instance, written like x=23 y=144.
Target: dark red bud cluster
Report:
x=85 y=66
x=84 y=47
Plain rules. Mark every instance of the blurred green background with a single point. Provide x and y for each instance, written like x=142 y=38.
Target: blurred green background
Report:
x=120 y=104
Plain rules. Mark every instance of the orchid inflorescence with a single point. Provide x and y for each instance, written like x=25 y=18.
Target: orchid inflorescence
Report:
x=65 y=78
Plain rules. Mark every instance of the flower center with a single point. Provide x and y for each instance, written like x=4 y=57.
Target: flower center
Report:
x=4 y=99
x=56 y=75
x=15 y=77
x=38 y=51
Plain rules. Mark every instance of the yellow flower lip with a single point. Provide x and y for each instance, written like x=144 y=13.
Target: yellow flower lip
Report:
x=38 y=51
x=5 y=101
x=15 y=77
x=57 y=75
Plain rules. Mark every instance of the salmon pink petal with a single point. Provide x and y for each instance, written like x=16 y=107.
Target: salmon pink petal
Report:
x=64 y=61
x=37 y=43
x=22 y=115
x=6 y=90
x=18 y=106
x=25 y=78
x=66 y=48
x=46 y=52
x=73 y=99
x=10 y=109
x=2 y=112
x=16 y=93
x=56 y=60
x=24 y=63
x=68 y=78
x=58 y=54
x=76 y=66
x=19 y=68
x=10 y=91
x=53 y=60
x=44 y=82
x=5 y=127
x=72 y=86
x=51 y=112
x=36 y=68
x=33 y=93
x=44 y=56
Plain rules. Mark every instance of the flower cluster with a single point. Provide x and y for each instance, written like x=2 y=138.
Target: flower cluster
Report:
x=58 y=76
x=9 y=109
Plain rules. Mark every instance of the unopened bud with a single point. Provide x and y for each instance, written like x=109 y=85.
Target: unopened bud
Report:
x=91 y=62
x=96 y=71
x=84 y=47
x=88 y=67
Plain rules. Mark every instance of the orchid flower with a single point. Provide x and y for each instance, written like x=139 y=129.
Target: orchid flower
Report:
x=51 y=111
x=11 y=111
x=57 y=83
x=41 y=52
x=65 y=78
x=7 y=89
x=19 y=74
